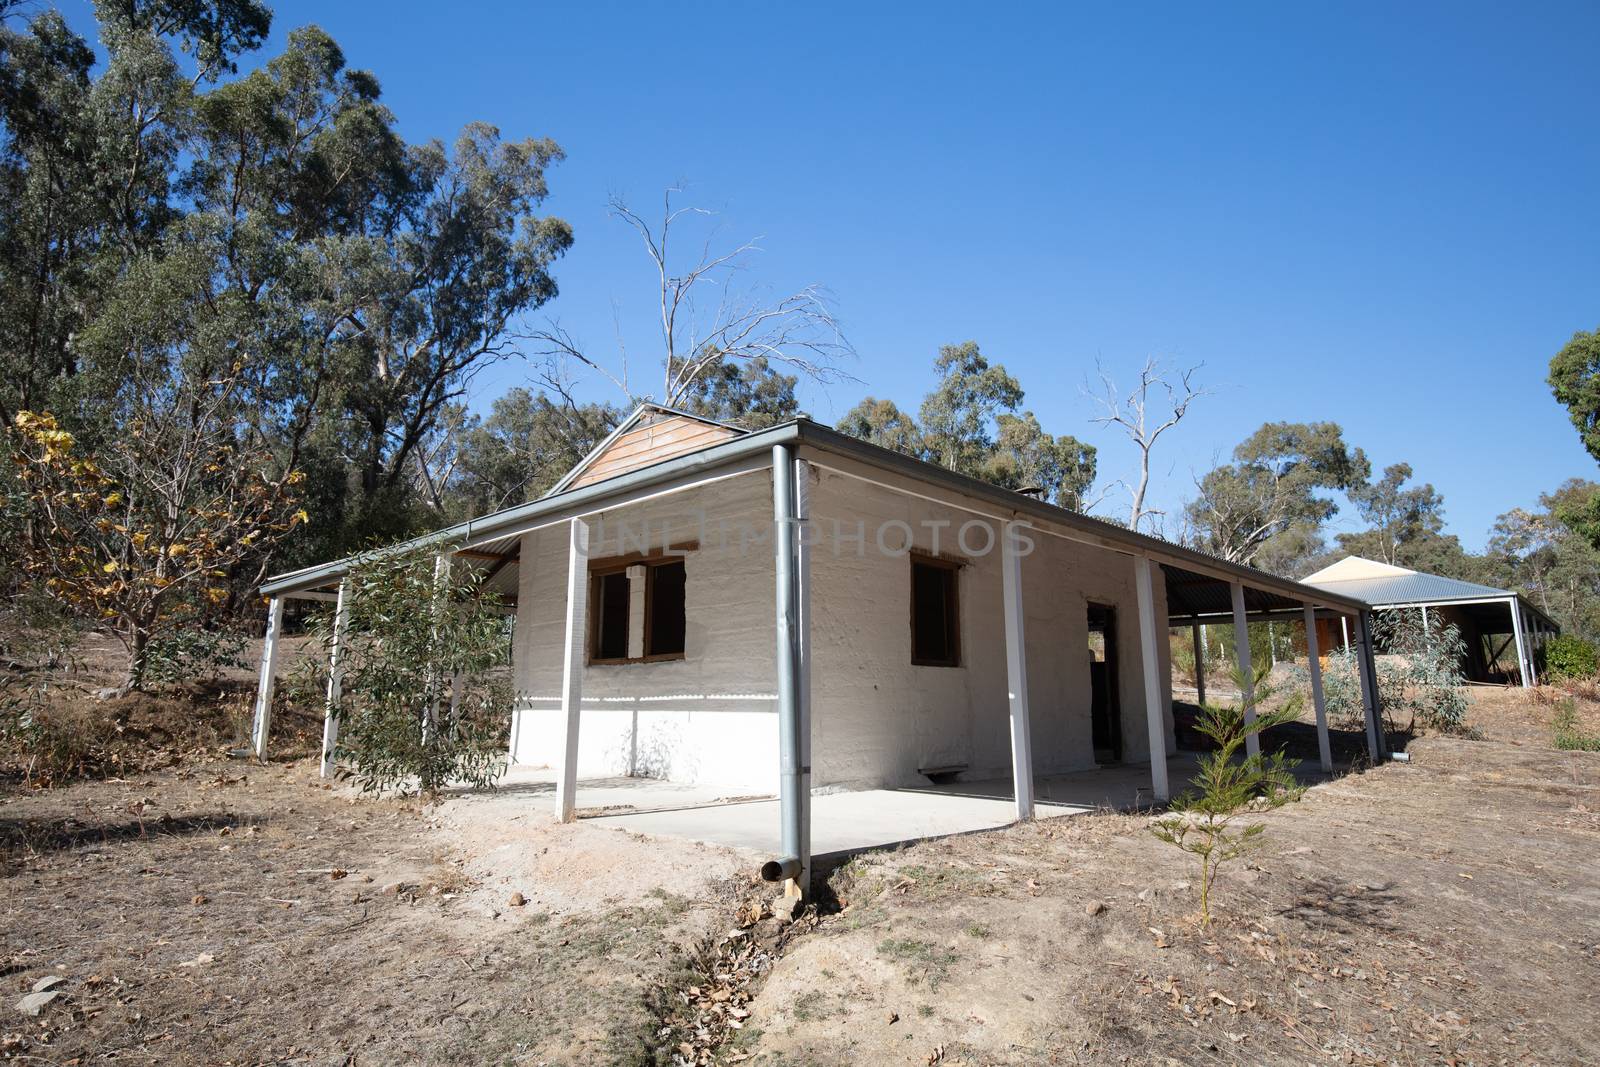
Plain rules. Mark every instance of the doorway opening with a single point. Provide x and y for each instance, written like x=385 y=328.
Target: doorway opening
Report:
x=1105 y=709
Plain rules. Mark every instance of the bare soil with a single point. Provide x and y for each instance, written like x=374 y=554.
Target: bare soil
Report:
x=1442 y=911
x=227 y=913
x=203 y=910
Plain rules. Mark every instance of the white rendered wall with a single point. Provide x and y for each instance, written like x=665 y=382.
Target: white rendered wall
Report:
x=711 y=718
x=877 y=718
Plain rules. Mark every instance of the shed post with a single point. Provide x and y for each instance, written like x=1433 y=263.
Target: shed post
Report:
x=269 y=678
x=572 y=666
x=1366 y=670
x=1016 y=669
x=1155 y=714
x=1314 y=668
x=1522 y=643
x=802 y=612
x=1198 y=632
x=441 y=583
x=330 y=712
x=1247 y=687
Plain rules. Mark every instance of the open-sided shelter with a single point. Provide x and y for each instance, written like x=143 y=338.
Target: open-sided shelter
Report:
x=1491 y=621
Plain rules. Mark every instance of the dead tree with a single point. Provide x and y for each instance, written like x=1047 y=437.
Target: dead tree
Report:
x=705 y=319
x=1132 y=412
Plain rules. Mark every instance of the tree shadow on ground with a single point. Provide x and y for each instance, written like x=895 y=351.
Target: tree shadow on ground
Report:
x=20 y=837
x=1327 y=903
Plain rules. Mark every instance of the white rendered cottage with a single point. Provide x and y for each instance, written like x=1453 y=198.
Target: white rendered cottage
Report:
x=792 y=610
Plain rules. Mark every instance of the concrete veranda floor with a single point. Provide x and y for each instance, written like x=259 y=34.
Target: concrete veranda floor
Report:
x=844 y=821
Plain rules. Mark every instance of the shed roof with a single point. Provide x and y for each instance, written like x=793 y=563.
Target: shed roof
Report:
x=1383 y=585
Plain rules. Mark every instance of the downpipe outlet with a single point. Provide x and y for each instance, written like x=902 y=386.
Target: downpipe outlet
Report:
x=780 y=870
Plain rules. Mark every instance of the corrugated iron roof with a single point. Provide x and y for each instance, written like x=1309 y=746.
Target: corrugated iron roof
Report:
x=1412 y=588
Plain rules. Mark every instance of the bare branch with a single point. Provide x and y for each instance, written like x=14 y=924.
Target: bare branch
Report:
x=798 y=331
x=1132 y=413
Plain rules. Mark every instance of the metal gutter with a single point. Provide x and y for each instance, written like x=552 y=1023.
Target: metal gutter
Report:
x=581 y=501
x=594 y=497
x=831 y=440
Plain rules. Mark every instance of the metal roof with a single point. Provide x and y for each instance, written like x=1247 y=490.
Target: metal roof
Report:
x=1413 y=588
x=498 y=532
x=1416 y=589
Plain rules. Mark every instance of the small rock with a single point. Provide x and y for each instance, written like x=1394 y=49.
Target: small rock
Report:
x=199 y=898
x=517 y=900
x=1094 y=907
x=34 y=1003
x=392 y=889
x=893 y=1018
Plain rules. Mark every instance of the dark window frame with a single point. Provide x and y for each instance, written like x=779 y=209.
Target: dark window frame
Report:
x=602 y=568
x=952 y=614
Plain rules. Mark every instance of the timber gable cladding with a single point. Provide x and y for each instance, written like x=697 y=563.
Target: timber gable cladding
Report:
x=651 y=436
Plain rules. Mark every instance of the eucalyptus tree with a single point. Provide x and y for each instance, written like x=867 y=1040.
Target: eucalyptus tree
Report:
x=265 y=250
x=1276 y=489
x=1145 y=413
x=973 y=422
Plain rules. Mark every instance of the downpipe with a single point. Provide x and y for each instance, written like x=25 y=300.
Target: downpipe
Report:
x=789 y=866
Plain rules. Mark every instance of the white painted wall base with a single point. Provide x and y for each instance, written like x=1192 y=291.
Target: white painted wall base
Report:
x=727 y=748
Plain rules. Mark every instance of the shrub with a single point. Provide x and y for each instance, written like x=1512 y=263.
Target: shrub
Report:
x=1570 y=734
x=420 y=705
x=1568 y=657
x=190 y=652
x=1422 y=672
x=1341 y=690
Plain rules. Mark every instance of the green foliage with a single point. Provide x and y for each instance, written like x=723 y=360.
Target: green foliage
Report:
x=1570 y=658
x=1405 y=524
x=1341 y=689
x=516 y=454
x=185 y=653
x=1206 y=821
x=973 y=423
x=745 y=392
x=263 y=254
x=1570 y=735
x=403 y=721
x=1575 y=380
x=1275 y=485
x=1421 y=673
x=1549 y=555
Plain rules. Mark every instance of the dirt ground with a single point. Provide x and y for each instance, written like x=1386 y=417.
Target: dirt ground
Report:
x=231 y=914
x=1445 y=911
x=213 y=911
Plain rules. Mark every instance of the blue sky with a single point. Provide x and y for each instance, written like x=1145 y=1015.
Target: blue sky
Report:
x=1381 y=215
